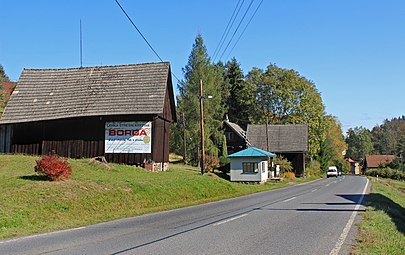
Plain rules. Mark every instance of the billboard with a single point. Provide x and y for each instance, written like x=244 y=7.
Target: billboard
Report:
x=128 y=137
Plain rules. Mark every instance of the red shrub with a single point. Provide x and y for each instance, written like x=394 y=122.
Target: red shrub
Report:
x=211 y=163
x=53 y=167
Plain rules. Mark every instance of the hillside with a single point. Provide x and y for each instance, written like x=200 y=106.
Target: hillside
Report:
x=30 y=204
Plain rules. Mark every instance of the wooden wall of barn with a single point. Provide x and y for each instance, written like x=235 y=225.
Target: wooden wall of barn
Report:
x=6 y=133
x=85 y=138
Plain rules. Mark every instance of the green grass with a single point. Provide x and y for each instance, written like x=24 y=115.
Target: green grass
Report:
x=29 y=204
x=382 y=230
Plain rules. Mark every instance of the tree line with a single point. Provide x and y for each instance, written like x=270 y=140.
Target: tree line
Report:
x=385 y=139
x=274 y=95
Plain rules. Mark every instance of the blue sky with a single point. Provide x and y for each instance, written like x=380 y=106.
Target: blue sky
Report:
x=353 y=50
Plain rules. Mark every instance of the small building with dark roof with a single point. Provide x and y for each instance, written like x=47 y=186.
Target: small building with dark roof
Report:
x=121 y=112
x=289 y=141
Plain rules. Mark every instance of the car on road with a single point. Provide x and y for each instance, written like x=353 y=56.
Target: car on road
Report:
x=332 y=172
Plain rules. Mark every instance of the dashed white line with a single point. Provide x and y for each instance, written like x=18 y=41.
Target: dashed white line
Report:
x=314 y=190
x=228 y=220
x=349 y=224
x=289 y=199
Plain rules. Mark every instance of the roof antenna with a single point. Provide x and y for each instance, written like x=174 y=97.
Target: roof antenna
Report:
x=81 y=45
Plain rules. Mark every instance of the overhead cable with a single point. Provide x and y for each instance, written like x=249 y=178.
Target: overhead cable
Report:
x=236 y=30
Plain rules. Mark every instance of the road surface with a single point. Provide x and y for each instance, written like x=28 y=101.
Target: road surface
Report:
x=313 y=218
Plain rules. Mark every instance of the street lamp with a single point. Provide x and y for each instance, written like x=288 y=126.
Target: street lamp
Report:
x=201 y=97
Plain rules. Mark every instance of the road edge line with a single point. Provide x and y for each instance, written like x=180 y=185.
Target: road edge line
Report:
x=349 y=224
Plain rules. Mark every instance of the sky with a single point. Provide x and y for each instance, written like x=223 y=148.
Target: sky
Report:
x=353 y=50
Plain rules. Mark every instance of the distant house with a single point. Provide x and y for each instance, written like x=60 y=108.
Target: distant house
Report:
x=289 y=141
x=250 y=165
x=121 y=112
x=354 y=166
x=376 y=161
x=236 y=139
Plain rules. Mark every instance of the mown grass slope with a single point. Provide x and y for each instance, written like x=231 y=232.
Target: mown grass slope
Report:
x=30 y=204
x=382 y=230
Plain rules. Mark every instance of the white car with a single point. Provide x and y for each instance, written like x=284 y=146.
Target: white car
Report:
x=332 y=171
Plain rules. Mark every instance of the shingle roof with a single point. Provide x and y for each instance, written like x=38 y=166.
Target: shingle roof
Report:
x=236 y=128
x=282 y=138
x=252 y=152
x=45 y=94
x=374 y=161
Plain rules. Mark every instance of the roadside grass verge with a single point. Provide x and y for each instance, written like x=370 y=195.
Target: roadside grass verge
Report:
x=30 y=204
x=382 y=230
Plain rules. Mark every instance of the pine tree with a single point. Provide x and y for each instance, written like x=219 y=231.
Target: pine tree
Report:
x=238 y=107
x=199 y=68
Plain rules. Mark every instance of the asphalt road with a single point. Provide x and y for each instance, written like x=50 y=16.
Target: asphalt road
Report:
x=314 y=218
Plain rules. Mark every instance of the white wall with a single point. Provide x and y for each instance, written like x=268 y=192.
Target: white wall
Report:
x=237 y=170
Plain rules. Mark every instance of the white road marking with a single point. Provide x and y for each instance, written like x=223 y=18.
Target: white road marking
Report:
x=327 y=185
x=349 y=224
x=314 y=190
x=228 y=220
x=289 y=199
x=40 y=235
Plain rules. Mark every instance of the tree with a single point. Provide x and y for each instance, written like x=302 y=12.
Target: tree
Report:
x=238 y=109
x=283 y=96
x=199 y=68
x=3 y=99
x=386 y=137
x=334 y=146
x=3 y=75
x=359 y=143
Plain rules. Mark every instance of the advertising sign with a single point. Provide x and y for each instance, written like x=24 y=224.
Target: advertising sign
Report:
x=128 y=137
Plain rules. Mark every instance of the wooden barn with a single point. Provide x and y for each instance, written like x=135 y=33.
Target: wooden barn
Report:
x=121 y=112
x=289 y=141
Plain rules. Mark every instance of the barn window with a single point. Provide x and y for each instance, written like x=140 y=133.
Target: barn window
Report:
x=250 y=167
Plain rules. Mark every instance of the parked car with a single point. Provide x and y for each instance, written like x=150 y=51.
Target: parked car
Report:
x=332 y=172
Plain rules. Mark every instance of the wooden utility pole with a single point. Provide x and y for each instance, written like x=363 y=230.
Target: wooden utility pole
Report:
x=184 y=138
x=202 y=128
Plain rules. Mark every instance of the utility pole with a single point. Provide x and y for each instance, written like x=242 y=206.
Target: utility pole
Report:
x=184 y=138
x=202 y=128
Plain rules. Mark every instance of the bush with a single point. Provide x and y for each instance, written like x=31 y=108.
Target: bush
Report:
x=285 y=165
x=313 y=168
x=289 y=175
x=386 y=173
x=53 y=167
x=211 y=163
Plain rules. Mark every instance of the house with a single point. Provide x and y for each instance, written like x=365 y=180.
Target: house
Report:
x=236 y=139
x=122 y=112
x=376 y=161
x=289 y=141
x=250 y=165
x=354 y=166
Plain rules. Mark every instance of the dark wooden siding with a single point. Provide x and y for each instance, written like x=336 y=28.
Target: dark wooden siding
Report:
x=234 y=142
x=6 y=133
x=85 y=138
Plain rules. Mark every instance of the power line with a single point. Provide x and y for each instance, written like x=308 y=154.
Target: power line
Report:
x=244 y=30
x=143 y=37
x=226 y=31
x=133 y=24
x=236 y=30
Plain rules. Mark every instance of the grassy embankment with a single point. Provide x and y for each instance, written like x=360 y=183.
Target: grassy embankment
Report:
x=29 y=204
x=382 y=230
